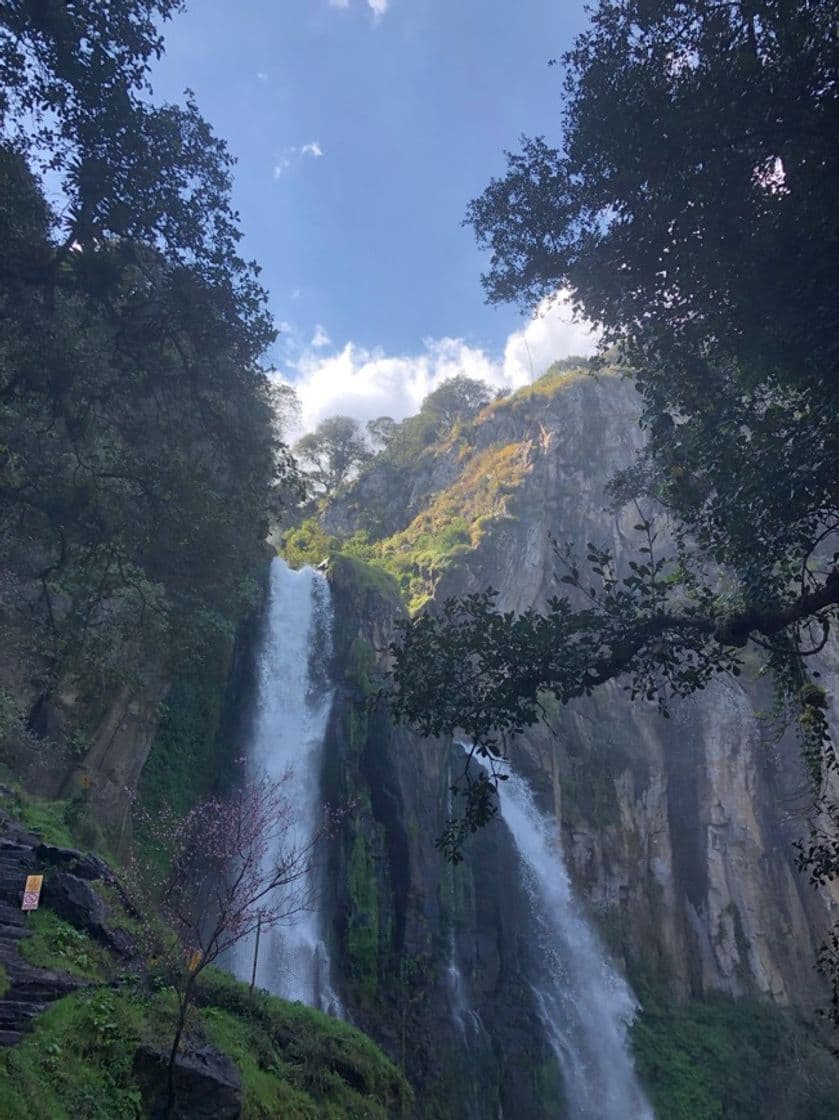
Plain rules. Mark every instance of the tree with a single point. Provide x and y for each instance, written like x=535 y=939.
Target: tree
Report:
x=139 y=463
x=457 y=398
x=288 y=411
x=700 y=148
x=333 y=451
x=382 y=431
x=236 y=865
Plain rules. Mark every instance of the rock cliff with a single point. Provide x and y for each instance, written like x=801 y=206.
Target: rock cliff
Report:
x=678 y=833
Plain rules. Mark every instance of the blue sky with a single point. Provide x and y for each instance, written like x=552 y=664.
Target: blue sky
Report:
x=362 y=129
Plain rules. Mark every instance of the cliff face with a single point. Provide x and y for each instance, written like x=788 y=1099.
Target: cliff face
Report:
x=678 y=833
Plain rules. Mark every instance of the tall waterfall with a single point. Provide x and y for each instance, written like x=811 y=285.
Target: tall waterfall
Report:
x=584 y=1004
x=294 y=698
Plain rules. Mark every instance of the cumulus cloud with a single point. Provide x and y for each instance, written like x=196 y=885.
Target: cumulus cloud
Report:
x=313 y=148
x=364 y=383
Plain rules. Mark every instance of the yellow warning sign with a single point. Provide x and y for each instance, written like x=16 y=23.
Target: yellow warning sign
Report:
x=32 y=892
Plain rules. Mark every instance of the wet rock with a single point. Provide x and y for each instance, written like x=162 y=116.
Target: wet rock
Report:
x=74 y=900
x=207 y=1084
x=84 y=865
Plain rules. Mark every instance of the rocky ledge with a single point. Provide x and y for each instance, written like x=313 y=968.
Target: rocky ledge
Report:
x=28 y=989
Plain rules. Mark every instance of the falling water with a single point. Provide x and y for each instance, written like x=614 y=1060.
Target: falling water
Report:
x=293 y=702
x=585 y=1006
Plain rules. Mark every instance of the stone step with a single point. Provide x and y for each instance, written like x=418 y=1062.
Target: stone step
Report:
x=10 y=1038
x=14 y=1012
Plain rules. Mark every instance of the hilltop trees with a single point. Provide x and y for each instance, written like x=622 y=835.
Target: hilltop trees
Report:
x=333 y=451
x=457 y=398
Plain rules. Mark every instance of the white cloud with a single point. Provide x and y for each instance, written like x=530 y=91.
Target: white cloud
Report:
x=364 y=383
x=552 y=333
x=261 y=76
x=377 y=7
x=294 y=155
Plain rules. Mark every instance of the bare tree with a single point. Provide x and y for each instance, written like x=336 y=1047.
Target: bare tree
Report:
x=238 y=864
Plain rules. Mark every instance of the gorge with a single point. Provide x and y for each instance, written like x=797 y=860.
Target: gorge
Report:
x=401 y=717
x=483 y=979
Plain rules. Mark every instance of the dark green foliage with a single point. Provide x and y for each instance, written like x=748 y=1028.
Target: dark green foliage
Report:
x=725 y=1059
x=140 y=463
x=699 y=147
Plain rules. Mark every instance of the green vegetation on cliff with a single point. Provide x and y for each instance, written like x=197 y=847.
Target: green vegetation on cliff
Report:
x=719 y=1058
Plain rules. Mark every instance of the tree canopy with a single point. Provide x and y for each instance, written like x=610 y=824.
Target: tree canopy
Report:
x=333 y=451
x=139 y=458
x=456 y=398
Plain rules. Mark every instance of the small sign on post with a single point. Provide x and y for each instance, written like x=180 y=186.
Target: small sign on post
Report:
x=32 y=892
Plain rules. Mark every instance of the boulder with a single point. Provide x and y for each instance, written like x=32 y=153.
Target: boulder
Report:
x=75 y=900
x=207 y=1084
x=84 y=865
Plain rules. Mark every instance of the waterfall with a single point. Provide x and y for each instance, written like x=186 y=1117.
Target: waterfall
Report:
x=585 y=1006
x=294 y=697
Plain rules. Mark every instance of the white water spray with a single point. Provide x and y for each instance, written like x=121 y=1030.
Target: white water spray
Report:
x=585 y=1006
x=294 y=698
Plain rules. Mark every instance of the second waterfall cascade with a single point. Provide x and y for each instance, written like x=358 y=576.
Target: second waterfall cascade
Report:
x=294 y=698
x=584 y=1005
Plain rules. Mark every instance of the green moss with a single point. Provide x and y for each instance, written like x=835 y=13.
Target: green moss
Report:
x=360 y=668
x=47 y=818
x=56 y=944
x=725 y=1059
x=359 y=576
x=4 y=981
x=362 y=930
x=187 y=757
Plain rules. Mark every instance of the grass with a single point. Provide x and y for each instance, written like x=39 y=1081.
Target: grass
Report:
x=56 y=944
x=296 y=1062
x=77 y=1062
x=293 y=1061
